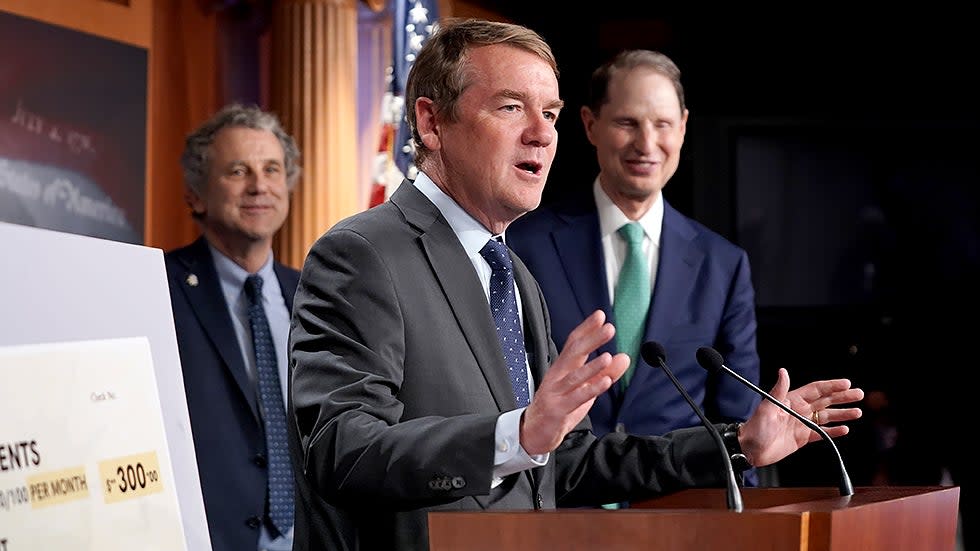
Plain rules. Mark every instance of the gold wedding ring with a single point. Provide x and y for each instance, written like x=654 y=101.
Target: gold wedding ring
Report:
x=815 y=416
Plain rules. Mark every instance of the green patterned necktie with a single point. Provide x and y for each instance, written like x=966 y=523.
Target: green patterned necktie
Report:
x=632 y=299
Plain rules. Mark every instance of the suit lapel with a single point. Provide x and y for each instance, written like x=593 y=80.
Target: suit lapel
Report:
x=207 y=300
x=579 y=246
x=535 y=331
x=288 y=281
x=452 y=268
x=679 y=262
x=537 y=340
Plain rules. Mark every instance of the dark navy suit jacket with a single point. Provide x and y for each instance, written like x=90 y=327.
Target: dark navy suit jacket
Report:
x=229 y=437
x=703 y=297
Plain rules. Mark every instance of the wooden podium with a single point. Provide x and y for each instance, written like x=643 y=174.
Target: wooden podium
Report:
x=778 y=519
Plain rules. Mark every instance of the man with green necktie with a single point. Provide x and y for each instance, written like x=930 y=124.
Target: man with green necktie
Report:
x=658 y=274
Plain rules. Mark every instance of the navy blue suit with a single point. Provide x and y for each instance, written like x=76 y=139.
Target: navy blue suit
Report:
x=229 y=437
x=703 y=297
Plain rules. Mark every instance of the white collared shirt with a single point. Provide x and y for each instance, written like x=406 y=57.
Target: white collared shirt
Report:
x=611 y=218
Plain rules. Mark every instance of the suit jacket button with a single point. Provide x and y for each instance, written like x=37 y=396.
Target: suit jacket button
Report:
x=260 y=460
x=253 y=522
x=459 y=482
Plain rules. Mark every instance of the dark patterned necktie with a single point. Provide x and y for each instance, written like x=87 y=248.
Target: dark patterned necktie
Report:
x=273 y=412
x=503 y=306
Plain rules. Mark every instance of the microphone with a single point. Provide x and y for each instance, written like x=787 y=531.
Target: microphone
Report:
x=653 y=353
x=711 y=360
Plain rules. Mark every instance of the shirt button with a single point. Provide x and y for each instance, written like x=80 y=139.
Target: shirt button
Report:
x=503 y=446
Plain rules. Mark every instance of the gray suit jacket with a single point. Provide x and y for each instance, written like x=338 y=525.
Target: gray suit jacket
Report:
x=398 y=380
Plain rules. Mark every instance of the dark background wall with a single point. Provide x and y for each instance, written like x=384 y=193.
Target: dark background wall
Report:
x=841 y=152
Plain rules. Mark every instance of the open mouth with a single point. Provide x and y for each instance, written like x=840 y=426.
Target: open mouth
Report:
x=530 y=167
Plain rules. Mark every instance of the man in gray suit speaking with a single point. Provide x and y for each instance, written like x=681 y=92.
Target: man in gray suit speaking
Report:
x=423 y=376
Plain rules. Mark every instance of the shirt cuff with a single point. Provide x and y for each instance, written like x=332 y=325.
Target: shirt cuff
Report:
x=508 y=455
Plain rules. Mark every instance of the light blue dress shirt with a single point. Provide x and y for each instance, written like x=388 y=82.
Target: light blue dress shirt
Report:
x=232 y=278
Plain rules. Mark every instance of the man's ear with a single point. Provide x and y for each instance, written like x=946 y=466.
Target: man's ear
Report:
x=426 y=124
x=588 y=120
x=195 y=202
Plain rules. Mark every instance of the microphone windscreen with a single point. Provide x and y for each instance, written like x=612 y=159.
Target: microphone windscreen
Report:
x=653 y=353
x=710 y=359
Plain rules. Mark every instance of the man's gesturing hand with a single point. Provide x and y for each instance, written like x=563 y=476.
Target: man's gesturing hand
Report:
x=571 y=385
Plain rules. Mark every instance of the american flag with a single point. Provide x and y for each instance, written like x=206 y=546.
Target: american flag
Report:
x=413 y=22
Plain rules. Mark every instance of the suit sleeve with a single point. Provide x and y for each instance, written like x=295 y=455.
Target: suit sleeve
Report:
x=736 y=342
x=348 y=356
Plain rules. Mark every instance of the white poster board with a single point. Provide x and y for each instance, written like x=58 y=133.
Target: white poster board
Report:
x=88 y=467
x=57 y=287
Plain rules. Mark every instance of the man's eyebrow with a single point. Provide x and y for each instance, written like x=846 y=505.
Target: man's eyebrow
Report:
x=514 y=94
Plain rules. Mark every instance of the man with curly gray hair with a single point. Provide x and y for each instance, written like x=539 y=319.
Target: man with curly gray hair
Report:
x=231 y=303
